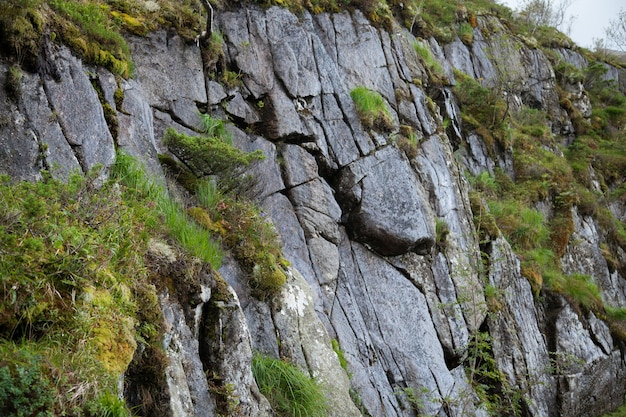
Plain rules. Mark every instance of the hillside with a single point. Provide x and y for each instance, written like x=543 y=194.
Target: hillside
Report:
x=307 y=208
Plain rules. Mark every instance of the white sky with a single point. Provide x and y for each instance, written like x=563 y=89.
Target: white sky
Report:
x=591 y=17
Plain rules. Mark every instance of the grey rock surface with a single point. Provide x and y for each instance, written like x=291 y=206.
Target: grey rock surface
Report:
x=386 y=207
x=78 y=110
x=356 y=216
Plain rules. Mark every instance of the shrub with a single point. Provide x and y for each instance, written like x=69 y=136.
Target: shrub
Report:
x=212 y=155
x=25 y=391
x=372 y=109
x=245 y=230
x=290 y=391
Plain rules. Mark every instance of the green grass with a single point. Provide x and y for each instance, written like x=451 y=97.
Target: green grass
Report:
x=524 y=227
x=432 y=65
x=76 y=297
x=620 y=412
x=371 y=108
x=93 y=30
x=73 y=283
x=247 y=232
x=343 y=362
x=192 y=236
x=291 y=392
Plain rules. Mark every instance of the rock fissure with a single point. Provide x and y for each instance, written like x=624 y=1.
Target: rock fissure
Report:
x=357 y=217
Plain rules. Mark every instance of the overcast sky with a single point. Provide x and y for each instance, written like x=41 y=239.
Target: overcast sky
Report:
x=591 y=17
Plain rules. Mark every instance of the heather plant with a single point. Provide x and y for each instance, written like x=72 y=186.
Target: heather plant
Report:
x=211 y=155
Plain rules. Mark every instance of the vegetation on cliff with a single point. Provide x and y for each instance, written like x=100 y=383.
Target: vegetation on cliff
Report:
x=67 y=250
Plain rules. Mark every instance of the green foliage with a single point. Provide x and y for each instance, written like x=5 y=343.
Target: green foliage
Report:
x=485 y=183
x=579 y=288
x=189 y=234
x=109 y=405
x=408 y=141
x=88 y=29
x=491 y=385
x=25 y=390
x=213 y=155
x=465 y=32
x=409 y=395
x=224 y=207
x=75 y=287
x=340 y=355
x=524 y=228
x=430 y=63
x=371 y=108
x=92 y=29
x=246 y=231
x=13 y=83
x=620 y=412
x=442 y=230
x=482 y=109
x=215 y=128
x=290 y=391
x=21 y=27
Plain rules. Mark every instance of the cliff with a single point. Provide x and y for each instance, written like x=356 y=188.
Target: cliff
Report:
x=459 y=252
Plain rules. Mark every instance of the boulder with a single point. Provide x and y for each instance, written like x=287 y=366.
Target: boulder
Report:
x=384 y=205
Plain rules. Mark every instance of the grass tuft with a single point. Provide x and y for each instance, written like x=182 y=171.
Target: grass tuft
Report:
x=290 y=391
x=372 y=109
x=189 y=234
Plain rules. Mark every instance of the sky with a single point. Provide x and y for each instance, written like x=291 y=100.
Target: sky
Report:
x=591 y=17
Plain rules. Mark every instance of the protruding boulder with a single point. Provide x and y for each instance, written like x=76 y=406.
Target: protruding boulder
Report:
x=385 y=206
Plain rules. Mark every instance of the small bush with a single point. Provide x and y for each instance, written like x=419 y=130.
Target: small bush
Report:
x=291 y=392
x=25 y=391
x=372 y=109
x=213 y=155
x=245 y=230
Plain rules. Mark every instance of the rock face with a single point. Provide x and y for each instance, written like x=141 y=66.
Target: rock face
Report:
x=358 y=216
